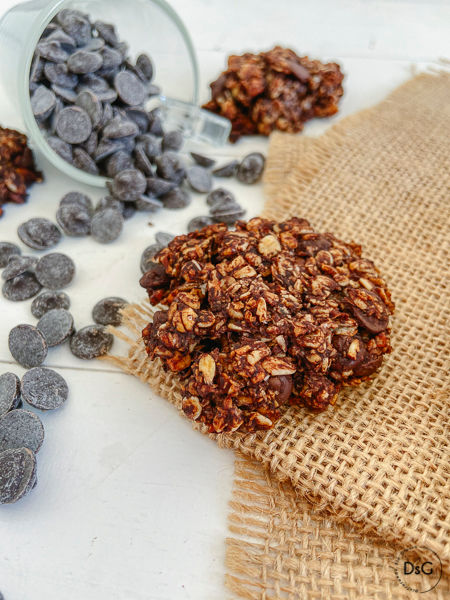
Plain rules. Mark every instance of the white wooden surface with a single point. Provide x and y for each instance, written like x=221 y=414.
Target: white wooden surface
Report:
x=131 y=504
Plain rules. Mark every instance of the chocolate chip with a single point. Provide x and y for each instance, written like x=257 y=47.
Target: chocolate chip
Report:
x=227 y=170
x=199 y=179
x=111 y=57
x=220 y=196
x=65 y=94
x=77 y=198
x=107 y=225
x=109 y=202
x=107 y=32
x=18 y=265
x=56 y=325
x=148 y=255
x=170 y=166
x=198 y=223
x=128 y=185
x=27 y=345
x=145 y=65
x=76 y=25
x=21 y=287
x=9 y=392
x=21 y=429
x=163 y=238
x=90 y=103
x=227 y=212
x=158 y=187
x=107 y=311
x=176 y=198
x=91 y=341
x=106 y=148
x=152 y=145
x=52 y=50
x=90 y=145
x=7 y=249
x=44 y=388
x=58 y=74
x=202 y=160
x=82 y=62
x=251 y=168
x=63 y=149
x=147 y=204
x=55 y=270
x=120 y=127
x=39 y=233
x=17 y=474
x=282 y=384
x=119 y=161
x=139 y=116
x=73 y=125
x=141 y=160
x=49 y=301
x=129 y=88
x=84 y=162
x=66 y=41
x=172 y=140
x=42 y=103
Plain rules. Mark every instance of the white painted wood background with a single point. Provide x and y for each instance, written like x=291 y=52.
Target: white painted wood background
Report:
x=131 y=504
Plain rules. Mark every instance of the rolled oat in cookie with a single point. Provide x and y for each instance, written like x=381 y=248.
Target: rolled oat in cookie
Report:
x=266 y=315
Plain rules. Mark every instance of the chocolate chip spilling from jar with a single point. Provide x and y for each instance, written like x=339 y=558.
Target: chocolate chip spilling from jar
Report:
x=264 y=316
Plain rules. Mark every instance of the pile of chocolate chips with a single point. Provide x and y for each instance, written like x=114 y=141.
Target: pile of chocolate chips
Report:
x=274 y=90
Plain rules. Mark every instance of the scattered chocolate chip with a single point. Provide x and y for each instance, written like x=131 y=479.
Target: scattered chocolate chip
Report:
x=17 y=265
x=220 y=196
x=17 y=474
x=227 y=170
x=22 y=287
x=107 y=225
x=44 y=388
x=77 y=198
x=203 y=161
x=107 y=311
x=128 y=185
x=21 y=429
x=158 y=187
x=170 y=166
x=55 y=270
x=9 y=392
x=148 y=255
x=198 y=223
x=49 y=301
x=251 y=168
x=56 y=325
x=7 y=249
x=199 y=179
x=119 y=161
x=176 y=198
x=39 y=233
x=147 y=204
x=172 y=140
x=91 y=341
x=74 y=219
x=27 y=345
x=163 y=238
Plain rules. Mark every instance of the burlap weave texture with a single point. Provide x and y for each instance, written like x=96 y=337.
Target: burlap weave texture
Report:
x=378 y=460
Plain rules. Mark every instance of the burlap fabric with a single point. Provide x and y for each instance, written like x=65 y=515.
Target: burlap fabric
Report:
x=378 y=460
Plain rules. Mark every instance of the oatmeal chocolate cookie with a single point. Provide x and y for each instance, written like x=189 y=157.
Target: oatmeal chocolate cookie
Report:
x=17 y=168
x=274 y=90
x=266 y=315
